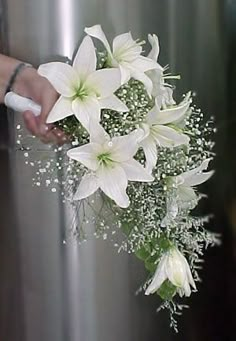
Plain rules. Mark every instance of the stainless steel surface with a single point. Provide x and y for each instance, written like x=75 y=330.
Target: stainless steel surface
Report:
x=85 y=292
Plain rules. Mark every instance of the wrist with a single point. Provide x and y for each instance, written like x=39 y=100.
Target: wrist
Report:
x=24 y=79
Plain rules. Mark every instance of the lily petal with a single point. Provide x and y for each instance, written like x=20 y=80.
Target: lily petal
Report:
x=186 y=290
x=114 y=103
x=144 y=64
x=198 y=179
x=171 y=114
x=104 y=82
x=125 y=47
x=203 y=166
x=156 y=76
x=141 y=132
x=150 y=151
x=97 y=133
x=97 y=32
x=186 y=194
x=166 y=98
x=168 y=137
x=61 y=75
x=158 y=278
x=175 y=268
x=85 y=110
x=124 y=147
x=140 y=76
x=85 y=60
x=154 y=41
x=113 y=182
x=189 y=274
x=61 y=109
x=136 y=172
x=152 y=115
x=88 y=185
x=125 y=73
x=144 y=131
x=86 y=155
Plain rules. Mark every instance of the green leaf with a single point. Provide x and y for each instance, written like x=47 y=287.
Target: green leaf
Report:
x=167 y=290
x=164 y=243
x=150 y=265
x=126 y=228
x=143 y=253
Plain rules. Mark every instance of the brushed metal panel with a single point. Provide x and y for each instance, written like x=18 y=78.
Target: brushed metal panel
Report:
x=86 y=293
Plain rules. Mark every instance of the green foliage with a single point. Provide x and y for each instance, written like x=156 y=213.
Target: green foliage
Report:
x=167 y=291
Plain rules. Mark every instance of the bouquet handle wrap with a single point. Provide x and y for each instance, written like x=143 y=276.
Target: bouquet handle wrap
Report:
x=21 y=104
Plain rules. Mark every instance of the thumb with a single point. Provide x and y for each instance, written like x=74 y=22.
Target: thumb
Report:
x=47 y=102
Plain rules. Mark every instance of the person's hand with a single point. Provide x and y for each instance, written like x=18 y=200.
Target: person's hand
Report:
x=30 y=84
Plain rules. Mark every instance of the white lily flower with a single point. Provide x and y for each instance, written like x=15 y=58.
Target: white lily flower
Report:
x=126 y=55
x=162 y=92
x=84 y=91
x=160 y=130
x=185 y=193
x=187 y=180
x=174 y=267
x=111 y=164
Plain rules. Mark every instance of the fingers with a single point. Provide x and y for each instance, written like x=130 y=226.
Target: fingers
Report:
x=59 y=136
x=31 y=123
x=48 y=98
x=41 y=91
x=47 y=133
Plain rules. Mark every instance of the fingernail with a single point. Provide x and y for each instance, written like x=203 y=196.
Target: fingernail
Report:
x=43 y=129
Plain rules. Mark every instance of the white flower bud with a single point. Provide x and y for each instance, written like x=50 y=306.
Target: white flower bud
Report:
x=174 y=267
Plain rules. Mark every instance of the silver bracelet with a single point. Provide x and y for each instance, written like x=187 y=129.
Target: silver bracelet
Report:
x=15 y=73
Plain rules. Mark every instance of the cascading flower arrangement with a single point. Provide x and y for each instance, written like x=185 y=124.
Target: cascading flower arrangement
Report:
x=136 y=158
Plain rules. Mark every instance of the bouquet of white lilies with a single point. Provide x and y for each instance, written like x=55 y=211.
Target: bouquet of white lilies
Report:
x=136 y=158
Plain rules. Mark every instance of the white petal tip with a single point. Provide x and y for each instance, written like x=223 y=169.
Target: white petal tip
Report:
x=151 y=178
x=49 y=120
x=149 y=292
x=124 y=205
x=76 y=198
x=89 y=29
x=149 y=170
x=124 y=109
